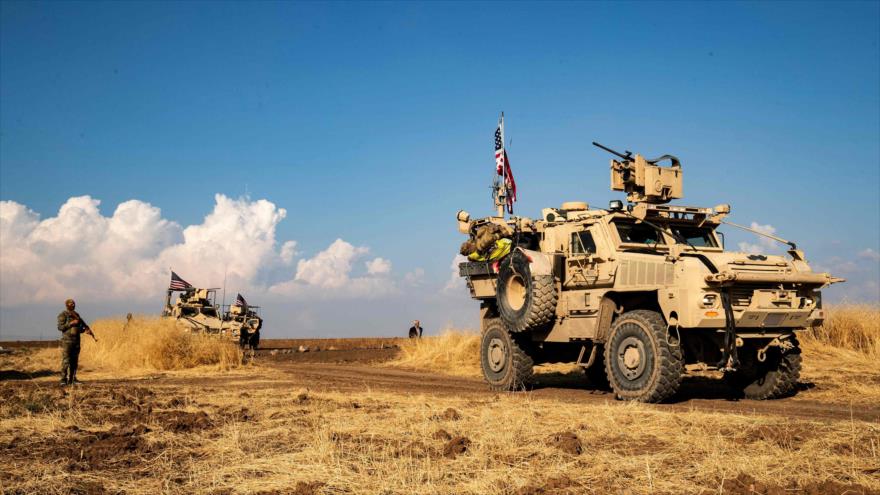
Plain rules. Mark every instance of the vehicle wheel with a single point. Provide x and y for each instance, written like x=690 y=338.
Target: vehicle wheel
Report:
x=505 y=364
x=776 y=377
x=525 y=302
x=640 y=362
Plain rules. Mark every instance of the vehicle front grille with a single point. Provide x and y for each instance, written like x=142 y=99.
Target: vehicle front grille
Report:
x=741 y=297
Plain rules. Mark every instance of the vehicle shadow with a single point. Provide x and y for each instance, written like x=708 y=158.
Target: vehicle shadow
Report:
x=21 y=375
x=692 y=387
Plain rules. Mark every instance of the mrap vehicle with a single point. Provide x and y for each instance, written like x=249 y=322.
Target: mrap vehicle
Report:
x=637 y=291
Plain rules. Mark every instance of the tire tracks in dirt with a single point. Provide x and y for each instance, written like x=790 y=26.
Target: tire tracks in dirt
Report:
x=345 y=377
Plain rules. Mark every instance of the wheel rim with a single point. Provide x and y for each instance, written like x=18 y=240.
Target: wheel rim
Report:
x=516 y=292
x=631 y=357
x=495 y=354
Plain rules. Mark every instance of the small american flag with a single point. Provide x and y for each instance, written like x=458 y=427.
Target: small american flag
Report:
x=178 y=283
x=239 y=301
x=502 y=165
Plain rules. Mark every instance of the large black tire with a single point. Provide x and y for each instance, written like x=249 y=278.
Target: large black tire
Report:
x=641 y=363
x=776 y=377
x=504 y=361
x=525 y=301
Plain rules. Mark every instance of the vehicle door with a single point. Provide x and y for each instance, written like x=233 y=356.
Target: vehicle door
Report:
x=581 y=270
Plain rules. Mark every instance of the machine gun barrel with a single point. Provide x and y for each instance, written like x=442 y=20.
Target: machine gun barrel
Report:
x=626 y=156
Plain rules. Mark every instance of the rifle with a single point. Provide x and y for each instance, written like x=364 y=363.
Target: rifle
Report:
x=82 y=326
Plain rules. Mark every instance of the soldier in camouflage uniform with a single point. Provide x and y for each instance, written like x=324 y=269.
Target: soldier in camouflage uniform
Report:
x=71 y=325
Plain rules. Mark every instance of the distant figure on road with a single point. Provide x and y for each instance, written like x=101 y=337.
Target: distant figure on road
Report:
x=71 y=325
x=415 y=331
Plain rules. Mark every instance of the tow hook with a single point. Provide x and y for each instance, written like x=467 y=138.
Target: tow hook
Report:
x=784 y=345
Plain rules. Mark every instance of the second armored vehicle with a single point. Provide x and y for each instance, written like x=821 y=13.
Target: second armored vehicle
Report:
x=637 y=291
x=196 y=310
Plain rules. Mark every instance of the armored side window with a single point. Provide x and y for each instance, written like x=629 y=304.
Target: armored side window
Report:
x=582 y=243
x=638 y=233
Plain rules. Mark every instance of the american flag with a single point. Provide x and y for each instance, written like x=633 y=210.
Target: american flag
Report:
x=239 y=301
x=502 y=165
x=178 y=283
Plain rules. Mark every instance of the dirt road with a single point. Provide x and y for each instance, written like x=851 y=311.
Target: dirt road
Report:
x=360 y=369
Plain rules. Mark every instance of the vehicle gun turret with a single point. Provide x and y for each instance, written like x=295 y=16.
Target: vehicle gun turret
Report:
x=644 y=181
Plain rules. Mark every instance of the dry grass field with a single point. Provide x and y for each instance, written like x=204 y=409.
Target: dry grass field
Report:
x=197 y=418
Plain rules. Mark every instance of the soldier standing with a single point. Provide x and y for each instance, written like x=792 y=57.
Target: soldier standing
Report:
x=71 y=325
x=415 y=331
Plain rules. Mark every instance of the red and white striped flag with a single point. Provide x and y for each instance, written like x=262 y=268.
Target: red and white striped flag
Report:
x=178 y=283
x=502 y=165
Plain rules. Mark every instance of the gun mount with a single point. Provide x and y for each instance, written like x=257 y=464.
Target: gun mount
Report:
x=644 y=181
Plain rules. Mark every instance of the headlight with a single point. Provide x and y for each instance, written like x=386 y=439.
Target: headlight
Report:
x=709 y=300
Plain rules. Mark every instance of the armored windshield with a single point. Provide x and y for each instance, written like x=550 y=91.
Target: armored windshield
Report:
x=695 y=236
x=638 y=233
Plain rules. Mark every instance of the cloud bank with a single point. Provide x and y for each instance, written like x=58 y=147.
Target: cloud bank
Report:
x=126 y=256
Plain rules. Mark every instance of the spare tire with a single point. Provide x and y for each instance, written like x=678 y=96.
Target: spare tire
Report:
x=525 y=301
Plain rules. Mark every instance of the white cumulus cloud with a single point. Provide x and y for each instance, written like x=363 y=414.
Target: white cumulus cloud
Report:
x=455 y=282
x=869 y=254
x=126 y=256
x=378 y=266
x=330 y=273
x=764 y=244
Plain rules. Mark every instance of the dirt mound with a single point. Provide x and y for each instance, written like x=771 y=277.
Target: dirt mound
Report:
x=456 y=447
x=449 y=414
x=18 y=401
x=442 y=435
x=745 y=484
x=88 y=450
x=88 y=488
x=183 y=422
x=567 y=442
x=551 y=486
x=238 y=414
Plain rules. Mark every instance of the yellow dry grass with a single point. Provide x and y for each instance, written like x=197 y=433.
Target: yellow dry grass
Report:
x=288 y=440
x=453 y=352
x=852 y=327
x=145 y=344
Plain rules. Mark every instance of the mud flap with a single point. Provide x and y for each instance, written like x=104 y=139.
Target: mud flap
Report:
x=729 y=360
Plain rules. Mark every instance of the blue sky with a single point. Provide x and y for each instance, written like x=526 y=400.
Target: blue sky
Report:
x=373 y=122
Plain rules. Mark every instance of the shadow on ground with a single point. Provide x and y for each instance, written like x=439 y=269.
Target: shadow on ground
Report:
x=692 y=387
x=21 y=375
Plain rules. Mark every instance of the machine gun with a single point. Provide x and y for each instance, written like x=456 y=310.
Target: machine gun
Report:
x=626 y=155
x=644 y=180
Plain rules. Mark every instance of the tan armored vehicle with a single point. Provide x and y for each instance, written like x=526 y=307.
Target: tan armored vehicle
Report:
x=639 y=292
x=196 y=310
x=244 y=322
